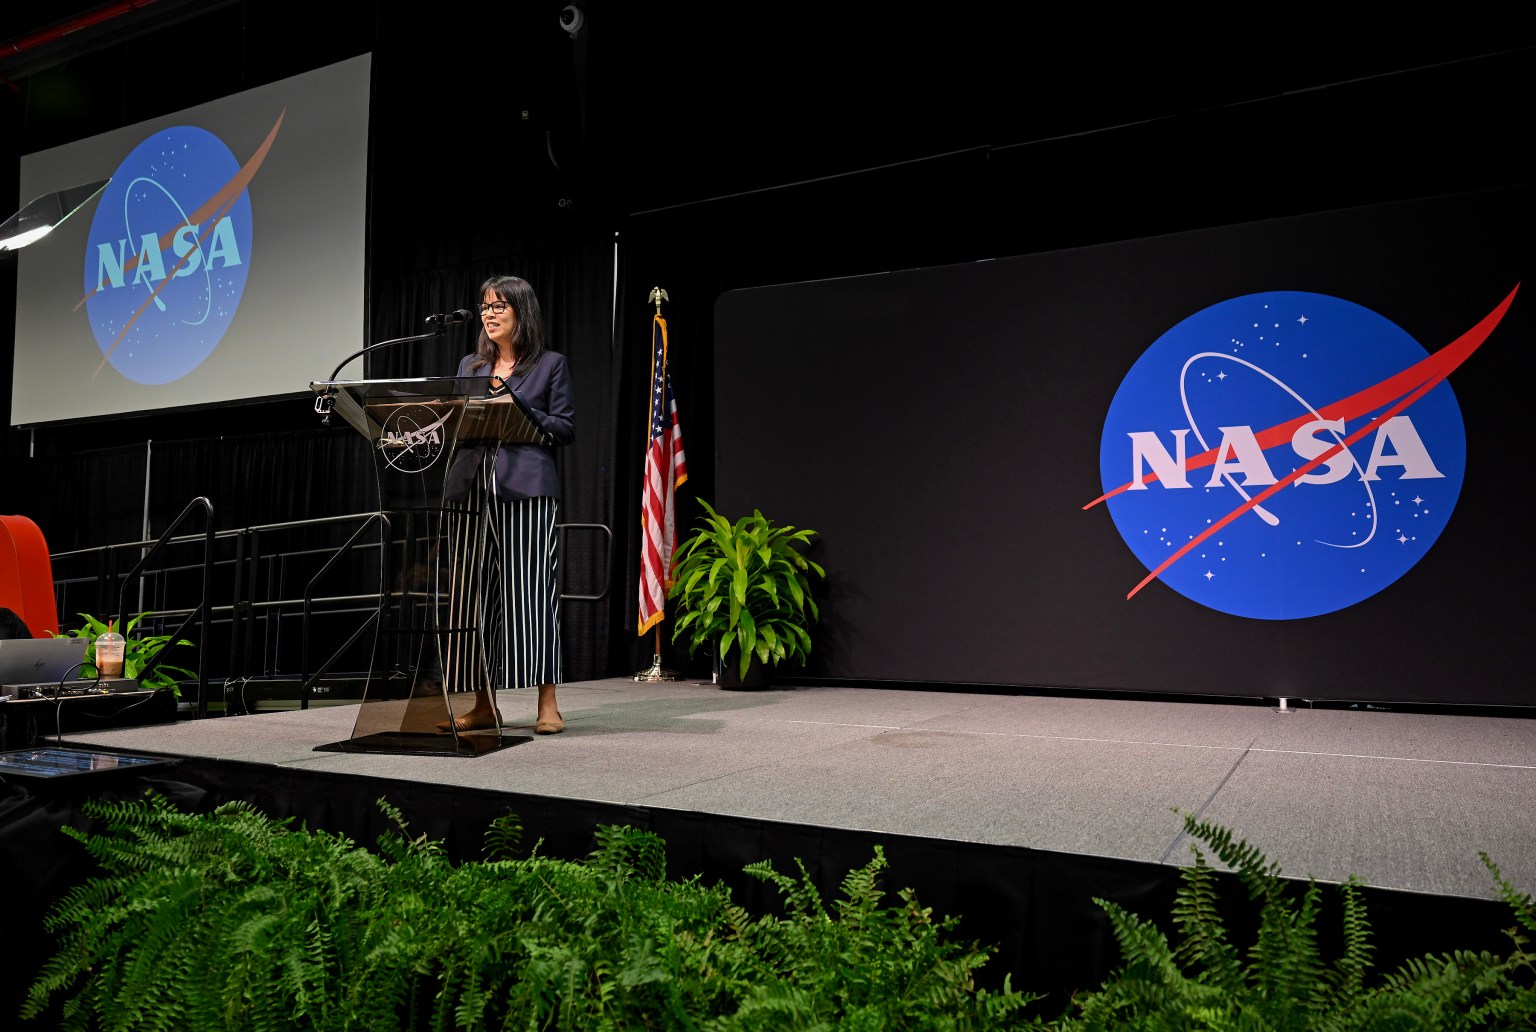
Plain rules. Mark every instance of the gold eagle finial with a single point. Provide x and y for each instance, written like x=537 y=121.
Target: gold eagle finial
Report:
x=657 y=296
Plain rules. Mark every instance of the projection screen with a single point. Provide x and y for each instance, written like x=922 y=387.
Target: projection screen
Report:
x=223 y=261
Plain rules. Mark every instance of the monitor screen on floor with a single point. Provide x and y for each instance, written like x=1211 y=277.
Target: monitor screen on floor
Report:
x=223 y=260
x=56 y=762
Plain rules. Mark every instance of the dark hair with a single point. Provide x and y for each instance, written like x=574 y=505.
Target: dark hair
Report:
x=528 y=337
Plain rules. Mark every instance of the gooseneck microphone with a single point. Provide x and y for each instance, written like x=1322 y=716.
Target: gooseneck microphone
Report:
x=440 y=322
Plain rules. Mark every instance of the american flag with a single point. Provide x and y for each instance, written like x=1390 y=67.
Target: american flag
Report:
x=666 y=469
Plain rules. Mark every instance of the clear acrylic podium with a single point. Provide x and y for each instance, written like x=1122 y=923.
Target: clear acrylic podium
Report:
x=415 y=427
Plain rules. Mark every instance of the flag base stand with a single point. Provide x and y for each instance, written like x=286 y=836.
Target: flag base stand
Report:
x=657 y=673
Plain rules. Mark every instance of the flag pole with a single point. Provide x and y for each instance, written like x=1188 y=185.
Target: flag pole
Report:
x=656 y=672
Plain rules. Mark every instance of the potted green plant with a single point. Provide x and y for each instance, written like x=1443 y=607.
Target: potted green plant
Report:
x=745 y=588
x=137 y=652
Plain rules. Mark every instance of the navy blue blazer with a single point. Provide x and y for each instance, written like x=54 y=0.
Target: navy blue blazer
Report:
x=523 y=470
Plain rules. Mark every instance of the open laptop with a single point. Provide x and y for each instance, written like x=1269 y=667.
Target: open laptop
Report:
x=27 y=662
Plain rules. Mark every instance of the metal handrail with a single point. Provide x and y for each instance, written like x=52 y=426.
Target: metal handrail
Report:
x=216 y=535
x=307 y=682
x=607 y=560
x=254 y=574
x=202 y=606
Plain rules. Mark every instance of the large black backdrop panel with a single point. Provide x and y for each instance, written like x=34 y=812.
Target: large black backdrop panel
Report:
x=945 y=430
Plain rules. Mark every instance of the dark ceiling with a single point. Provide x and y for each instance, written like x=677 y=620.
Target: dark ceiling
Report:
x=822 y=64
x=681 y=101
x=39 y=34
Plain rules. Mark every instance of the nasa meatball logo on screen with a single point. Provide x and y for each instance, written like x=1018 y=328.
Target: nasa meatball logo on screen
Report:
x=168 y=254
x=1284 y=455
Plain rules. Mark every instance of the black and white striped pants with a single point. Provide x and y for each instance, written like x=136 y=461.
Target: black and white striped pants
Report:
x=503 y=619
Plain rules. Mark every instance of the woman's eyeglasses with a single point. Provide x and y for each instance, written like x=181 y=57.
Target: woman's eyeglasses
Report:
x=494 y=307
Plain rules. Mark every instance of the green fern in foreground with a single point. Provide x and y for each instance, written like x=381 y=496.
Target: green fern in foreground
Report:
x=226 y=920
x=1281 y=980
x=860 y=964
x=233 y=921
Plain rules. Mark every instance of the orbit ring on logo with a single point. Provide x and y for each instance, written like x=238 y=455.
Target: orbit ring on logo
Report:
x=1284 y=455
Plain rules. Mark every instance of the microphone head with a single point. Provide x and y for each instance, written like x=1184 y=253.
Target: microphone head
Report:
x=460 y=315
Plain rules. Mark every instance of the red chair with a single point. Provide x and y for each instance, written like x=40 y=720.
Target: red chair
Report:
x=26 y=576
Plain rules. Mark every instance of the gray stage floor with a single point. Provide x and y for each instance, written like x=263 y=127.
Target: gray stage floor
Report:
x=1403 y=800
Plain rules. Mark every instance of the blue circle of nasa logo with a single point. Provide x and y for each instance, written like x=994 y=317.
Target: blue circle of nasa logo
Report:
x=1261 y=460
x=168 y=254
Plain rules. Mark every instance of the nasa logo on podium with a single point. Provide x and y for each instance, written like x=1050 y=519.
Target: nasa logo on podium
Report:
x=1284 y=455
x=413 y=437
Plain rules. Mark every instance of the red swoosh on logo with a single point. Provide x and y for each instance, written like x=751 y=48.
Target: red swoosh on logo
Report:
x=1403 y=388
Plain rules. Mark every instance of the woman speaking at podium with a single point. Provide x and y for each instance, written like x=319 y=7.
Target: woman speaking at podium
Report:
x=502 y=577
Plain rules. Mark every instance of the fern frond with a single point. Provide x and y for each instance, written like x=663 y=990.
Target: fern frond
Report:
x=504 y=838
x=1204 y=944
x=1355 y=963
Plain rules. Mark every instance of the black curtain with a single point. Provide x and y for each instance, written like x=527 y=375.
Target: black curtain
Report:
x=82 y=499
x=261 y=478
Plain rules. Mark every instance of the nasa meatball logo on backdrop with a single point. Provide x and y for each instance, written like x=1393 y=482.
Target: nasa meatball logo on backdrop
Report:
x=168 y=254
x=1284 y=455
